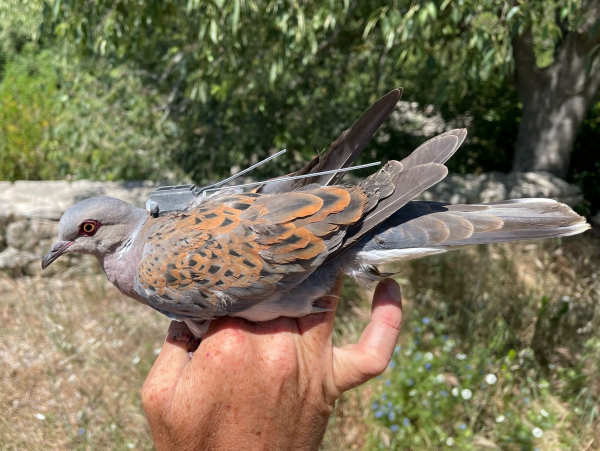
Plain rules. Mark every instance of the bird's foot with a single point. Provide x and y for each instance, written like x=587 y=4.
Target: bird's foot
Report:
x=193 y=345
x=192 y=341
x=182 y=336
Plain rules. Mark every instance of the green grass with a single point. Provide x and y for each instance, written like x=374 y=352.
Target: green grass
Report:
x=500 y=350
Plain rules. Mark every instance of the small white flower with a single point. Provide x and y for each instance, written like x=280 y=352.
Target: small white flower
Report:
x=413 y=392
x=40 y=416
x=157 y=351
x=113 y=426
x=428 y=356
x=131 y=445
x=500 y=419
x=135 y=361
x=543 y=413
x=449 y=441
x=440 y=378
x=455 y=391
x=490 y=379
x=461 y=356
x=466 y=394
x=537 y=432
x=429 y=394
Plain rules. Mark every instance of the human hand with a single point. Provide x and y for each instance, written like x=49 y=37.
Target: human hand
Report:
x=269 y=385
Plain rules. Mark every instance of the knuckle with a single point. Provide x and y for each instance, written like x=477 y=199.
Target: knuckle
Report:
x=227 y=345
x=391 y=319
x=279 y=367
x=279 y=359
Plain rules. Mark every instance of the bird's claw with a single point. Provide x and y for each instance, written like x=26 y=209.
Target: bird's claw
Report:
x=192 y=341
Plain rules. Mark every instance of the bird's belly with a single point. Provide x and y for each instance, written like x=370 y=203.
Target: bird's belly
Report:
x=294 y=303
x=274 y=307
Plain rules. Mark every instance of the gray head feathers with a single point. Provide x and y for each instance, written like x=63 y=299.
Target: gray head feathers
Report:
x=98 y=226
x=103 y=209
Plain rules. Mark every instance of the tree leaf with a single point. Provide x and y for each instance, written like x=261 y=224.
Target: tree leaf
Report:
x=431 y=9
x=213 y=32
x=56 y=9
x=514 y=10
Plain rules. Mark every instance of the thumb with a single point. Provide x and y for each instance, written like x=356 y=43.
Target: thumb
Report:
x=355 y=364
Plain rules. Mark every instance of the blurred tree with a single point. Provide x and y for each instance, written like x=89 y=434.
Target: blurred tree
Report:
x=19 y=24
x=249 y=71
x=26 y=95
x=556 y=97
x=66 y=116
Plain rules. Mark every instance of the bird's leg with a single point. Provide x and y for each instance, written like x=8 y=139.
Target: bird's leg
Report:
x=192 y=341
x=193 y=345
x=198 y=328
x=324 y=303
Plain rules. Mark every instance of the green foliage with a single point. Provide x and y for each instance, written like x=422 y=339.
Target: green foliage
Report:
x=62 y=116
x=247 y=77
x=222 y=48
x=585 y=161
x=240 y=76
x=491 y=112
x=188 y=89
x=486 y=358
x=440 y=392
x=59 y=121
x=110 y=127
x=20 y=22
x=26 y=94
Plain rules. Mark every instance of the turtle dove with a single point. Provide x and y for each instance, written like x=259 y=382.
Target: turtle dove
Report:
x=277 y=249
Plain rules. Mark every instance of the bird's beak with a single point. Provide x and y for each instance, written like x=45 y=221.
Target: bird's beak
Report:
x=57 y=250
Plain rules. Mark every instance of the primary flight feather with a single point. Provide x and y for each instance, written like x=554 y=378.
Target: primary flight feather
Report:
x=274 y=251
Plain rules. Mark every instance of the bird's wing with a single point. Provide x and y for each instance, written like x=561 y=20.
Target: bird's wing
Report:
x=235 y=250
x=344 y=150
x=436 y=150
x=398 y=182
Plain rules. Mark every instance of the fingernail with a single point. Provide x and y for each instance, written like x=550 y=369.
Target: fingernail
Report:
x=393 y=289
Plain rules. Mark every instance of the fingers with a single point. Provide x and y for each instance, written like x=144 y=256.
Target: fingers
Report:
x=357 y=363
x=170 y=363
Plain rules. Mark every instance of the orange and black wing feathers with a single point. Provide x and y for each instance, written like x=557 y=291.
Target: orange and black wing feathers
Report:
x=235 y=250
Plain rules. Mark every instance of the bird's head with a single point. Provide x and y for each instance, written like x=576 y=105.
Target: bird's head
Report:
x=97 y=226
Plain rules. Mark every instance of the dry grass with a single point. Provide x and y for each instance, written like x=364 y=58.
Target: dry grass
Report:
x=74 y=354
x=73 y=357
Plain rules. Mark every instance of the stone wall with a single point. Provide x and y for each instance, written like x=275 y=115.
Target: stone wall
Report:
x=29 y=211
x=29 y=214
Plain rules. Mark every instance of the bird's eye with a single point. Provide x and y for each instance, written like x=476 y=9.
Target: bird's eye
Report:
x=89 y=228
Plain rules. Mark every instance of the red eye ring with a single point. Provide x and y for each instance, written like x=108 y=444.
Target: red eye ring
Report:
x=89 y=227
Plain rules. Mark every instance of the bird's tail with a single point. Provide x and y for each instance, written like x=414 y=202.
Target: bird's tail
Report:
x=424 y=228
